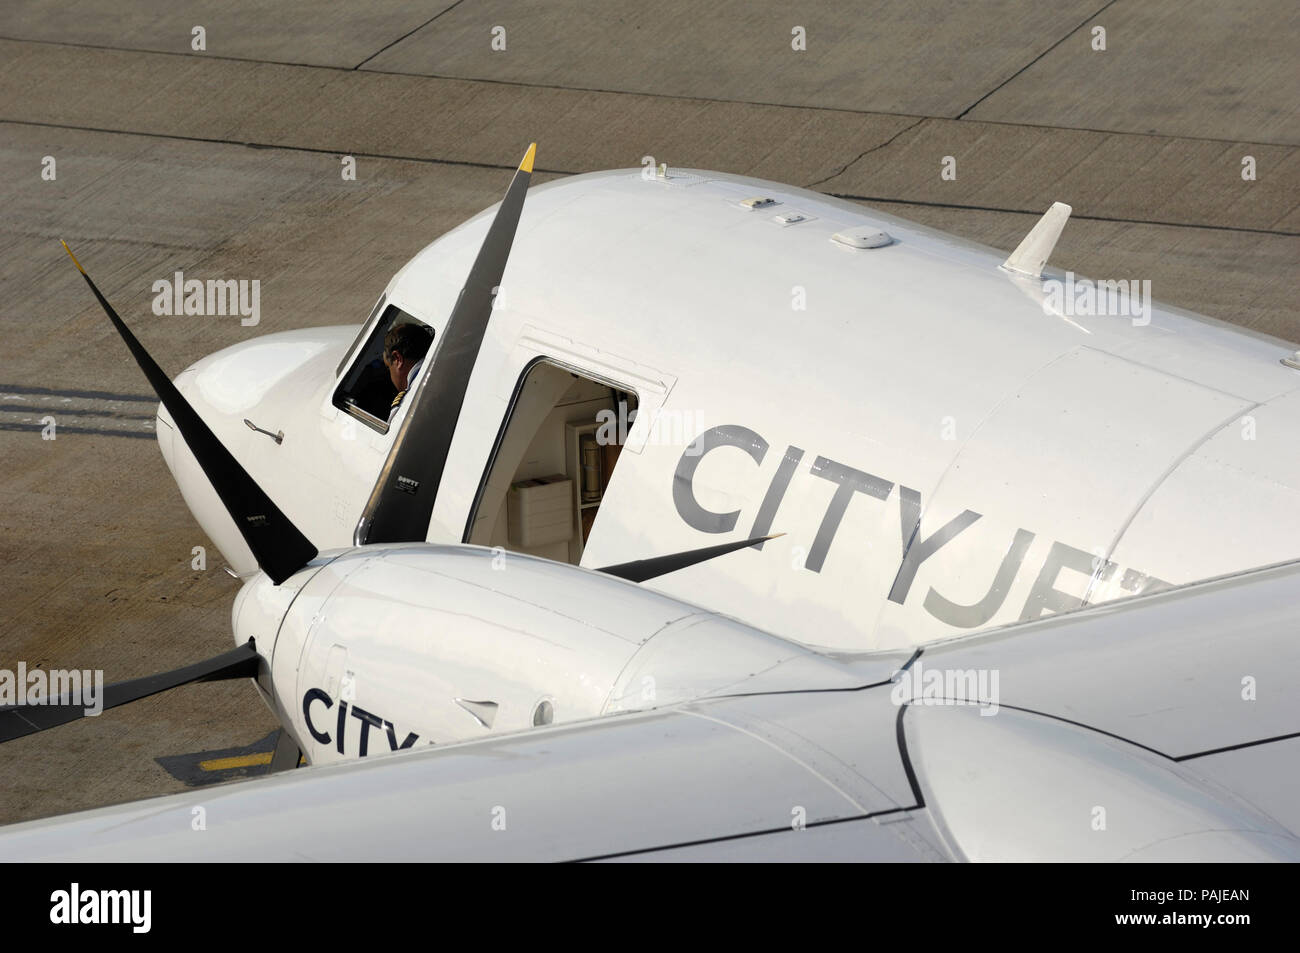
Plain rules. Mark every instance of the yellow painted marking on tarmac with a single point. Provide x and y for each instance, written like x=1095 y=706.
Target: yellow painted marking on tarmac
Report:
x=239 y=761
x=525 y=166
x=74 y=257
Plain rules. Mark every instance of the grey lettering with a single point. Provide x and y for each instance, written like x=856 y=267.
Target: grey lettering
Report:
x=850 y=481
x=1045 y=597
x=969 y=617
x=688 y=508
x=1137 y=582
x=219 y=293
x=914 y=552
x=775 y=493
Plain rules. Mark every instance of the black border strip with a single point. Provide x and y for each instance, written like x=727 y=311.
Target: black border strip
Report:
x=907 y=759
x=1238 y=747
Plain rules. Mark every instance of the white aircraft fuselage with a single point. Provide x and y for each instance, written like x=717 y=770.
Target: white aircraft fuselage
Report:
x=942 y=451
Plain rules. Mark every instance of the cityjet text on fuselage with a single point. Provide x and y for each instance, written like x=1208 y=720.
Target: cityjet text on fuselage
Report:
x=1043 y=597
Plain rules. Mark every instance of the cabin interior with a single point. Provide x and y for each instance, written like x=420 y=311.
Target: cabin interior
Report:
x=553 y=464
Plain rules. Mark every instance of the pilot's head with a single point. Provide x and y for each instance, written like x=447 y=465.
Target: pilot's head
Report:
x=405 y=345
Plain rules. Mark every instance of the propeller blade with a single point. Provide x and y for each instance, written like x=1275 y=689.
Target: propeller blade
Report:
x=401 y=504
x=279 y=547
x=639 y=570
x=16 y=721
x=287 y=754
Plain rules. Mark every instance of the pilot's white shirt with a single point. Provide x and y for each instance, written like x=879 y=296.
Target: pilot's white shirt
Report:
x=410 y=384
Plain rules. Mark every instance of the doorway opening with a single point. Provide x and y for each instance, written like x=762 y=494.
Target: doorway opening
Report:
x=552 y=464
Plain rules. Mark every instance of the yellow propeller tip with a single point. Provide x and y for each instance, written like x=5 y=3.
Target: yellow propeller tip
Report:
x=774 y=536
x=72 y=256
x=527 y=164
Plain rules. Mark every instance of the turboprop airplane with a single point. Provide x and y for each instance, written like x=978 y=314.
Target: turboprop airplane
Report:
x=947 y=440
x=728 y=738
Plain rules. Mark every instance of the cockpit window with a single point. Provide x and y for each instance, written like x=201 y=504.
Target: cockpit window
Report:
x=361 y=335
x=366 y=391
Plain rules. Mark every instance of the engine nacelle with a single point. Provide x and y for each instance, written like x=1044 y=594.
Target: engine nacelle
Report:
x=384 y=648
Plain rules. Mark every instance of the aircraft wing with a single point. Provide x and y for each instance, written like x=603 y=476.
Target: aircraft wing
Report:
x=1162 y=728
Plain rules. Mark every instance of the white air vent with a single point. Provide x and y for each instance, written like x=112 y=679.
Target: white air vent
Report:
x=862 y=237
x=790 y=218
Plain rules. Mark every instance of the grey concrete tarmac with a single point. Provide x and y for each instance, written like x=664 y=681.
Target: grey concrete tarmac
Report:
x=226 y=162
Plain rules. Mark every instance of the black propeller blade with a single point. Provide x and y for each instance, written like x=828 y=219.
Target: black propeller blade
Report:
x=279 y=547
x=639 y=570
x=287 y=754
x=401 y=503
x=19 y=720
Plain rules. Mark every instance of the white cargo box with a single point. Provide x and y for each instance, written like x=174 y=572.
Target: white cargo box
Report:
x=540 y=512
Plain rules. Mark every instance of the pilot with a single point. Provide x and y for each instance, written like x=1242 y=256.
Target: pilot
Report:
x=405 y=346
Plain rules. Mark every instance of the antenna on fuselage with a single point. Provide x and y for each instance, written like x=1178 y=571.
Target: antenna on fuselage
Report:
x=1032 y=253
